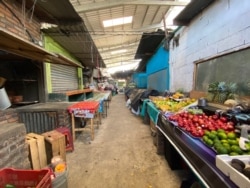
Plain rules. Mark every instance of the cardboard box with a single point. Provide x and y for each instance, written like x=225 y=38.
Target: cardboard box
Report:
x=223 y=163
x=37 y=150
x=197 y=94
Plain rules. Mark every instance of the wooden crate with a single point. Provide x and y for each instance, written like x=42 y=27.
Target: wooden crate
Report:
x=55 y=145
x=37 y=150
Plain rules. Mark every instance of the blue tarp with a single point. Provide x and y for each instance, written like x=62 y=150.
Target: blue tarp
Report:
x=100 y=97
x=150 y=108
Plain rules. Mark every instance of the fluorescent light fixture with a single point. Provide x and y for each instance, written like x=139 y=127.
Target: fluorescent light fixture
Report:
x=118 y=51
x=47 y=25
x=117 y=21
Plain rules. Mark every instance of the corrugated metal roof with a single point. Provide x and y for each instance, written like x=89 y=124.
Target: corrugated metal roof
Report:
x=147 y=15
x=80 y=27
x=190 y=11
x=71 y=33
x=59 y=12
x=75 y=38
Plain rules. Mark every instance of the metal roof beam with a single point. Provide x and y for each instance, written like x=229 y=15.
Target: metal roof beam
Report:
x=110 y=65
x=118 y=47
x=114 y=3
x=119 y=56
x=140 y=31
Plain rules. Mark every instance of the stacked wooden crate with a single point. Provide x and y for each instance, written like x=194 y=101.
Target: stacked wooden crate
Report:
x=55 y=145
x=37 y=150
x=44 y=147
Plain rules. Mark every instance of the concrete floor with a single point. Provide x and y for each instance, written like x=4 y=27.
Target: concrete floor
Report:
x=122 y=155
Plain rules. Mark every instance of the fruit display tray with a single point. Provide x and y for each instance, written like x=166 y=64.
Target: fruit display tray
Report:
x=223 y=163
x=210 y=147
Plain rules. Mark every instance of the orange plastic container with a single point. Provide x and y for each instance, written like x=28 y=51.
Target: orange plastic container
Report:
x=25 y=178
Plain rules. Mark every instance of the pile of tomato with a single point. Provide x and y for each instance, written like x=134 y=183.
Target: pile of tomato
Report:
x=197 y=124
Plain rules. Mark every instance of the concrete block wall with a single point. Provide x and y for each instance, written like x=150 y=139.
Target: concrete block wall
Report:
x=221 y=28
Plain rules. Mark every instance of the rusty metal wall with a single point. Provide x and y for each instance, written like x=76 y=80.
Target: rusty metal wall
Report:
x=39 y=122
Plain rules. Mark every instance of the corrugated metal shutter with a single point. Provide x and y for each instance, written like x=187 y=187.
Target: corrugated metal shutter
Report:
x=39 y=122
x=63 y=78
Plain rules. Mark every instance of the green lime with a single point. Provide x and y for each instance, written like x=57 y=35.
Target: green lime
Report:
x=222 y=150
x=222 y=136
x=231 y=135
x=209 y=142
x=212 y=136
x=206 y=132
x=227 y=146
x=214 y=132
x=204 y=138
x=233 y=153
x=221 y=131
x=224 y=141
x=237 y=149
x=247 y=145
x=233 y=142
x=216 y=140
x=217 y=145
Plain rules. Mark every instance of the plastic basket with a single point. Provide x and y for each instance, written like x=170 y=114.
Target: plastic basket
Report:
x=25 y=178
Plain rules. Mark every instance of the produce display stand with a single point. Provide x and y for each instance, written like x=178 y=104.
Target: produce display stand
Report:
x=107 y=96
x=87 y=110
x=199 y=158
x=103 y=98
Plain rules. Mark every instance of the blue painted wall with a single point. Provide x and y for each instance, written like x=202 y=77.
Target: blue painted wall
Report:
x=158 y=61
x=157 y=70
x=140 y=80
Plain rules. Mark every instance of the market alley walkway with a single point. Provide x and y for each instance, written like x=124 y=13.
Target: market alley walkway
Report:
x=122 y=155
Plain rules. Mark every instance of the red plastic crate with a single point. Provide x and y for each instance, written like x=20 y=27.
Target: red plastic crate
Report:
x=25 y=178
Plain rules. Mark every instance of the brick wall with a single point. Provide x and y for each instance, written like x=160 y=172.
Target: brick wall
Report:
x=8 y=116
x=16 y=22
x=13 y=149
x=64 y=119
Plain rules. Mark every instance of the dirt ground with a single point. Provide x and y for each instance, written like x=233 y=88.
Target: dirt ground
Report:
x=122 y=155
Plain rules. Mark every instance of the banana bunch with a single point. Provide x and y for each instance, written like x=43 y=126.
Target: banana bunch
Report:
x=177 y=95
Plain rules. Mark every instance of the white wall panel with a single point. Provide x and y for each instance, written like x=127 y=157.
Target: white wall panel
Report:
x=222 y=28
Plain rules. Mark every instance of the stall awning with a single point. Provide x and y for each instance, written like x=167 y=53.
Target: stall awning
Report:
x=15 y=45
x=68 y=61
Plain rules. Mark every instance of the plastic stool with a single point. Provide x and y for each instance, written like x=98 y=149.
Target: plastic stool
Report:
x=68 y=138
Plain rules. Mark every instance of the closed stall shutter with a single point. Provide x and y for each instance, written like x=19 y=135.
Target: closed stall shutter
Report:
x=63 y=78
